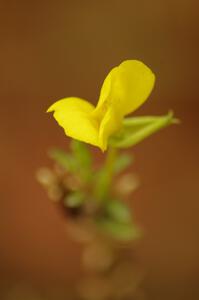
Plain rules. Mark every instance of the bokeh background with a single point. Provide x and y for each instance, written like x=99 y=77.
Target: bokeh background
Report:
x=51 y=49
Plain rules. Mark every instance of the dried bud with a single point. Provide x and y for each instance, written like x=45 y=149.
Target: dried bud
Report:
x=126 y=277
x=98 y=257
x=127 y=184
x=80 y=232
x=55 y=192
x=46 y=177
x=94 y=288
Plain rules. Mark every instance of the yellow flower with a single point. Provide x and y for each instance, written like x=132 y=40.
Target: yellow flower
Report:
x=124 y=89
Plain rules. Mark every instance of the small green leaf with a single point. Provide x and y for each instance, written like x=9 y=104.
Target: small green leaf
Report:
x=136 y=129
x=122 y=162
x=81 y=153
x=100 y=184
x=83 y=158
x=118 y=211
x=64 y=159
x=119 y=231
x=74 y=199
x=104 y=176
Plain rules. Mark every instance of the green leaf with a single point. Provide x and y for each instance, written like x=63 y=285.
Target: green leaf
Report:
x=119 y=231
x=83 y=158
x=136 y=129
x=64 y=159
x=74 y=199
x=100 y=184
x=81 y=153
x=118 y=211
x=122 y=162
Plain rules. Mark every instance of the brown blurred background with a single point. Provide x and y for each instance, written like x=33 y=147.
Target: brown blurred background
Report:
x=52 y=49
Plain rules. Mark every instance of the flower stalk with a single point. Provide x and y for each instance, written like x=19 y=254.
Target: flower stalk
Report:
x=87 y=194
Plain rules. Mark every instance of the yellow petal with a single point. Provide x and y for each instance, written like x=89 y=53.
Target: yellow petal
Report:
x=110 y=123
x=75 y=116
x=126 y=87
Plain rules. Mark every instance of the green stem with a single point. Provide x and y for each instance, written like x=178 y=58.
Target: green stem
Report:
x=110 y=162
x=109 y=170
x=105 y=176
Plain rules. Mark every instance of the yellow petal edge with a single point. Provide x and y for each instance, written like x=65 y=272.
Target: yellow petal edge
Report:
x=125 y=88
